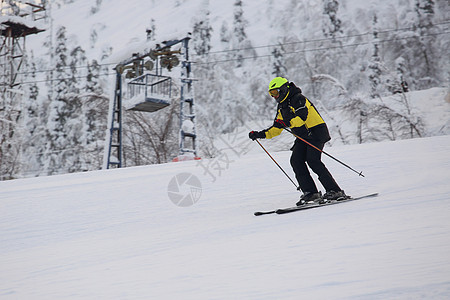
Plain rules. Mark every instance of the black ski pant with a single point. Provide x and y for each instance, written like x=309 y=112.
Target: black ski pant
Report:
x=302 y=153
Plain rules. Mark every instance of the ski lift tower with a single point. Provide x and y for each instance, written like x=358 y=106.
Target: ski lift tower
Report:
x=17 y=21
x=150 y=92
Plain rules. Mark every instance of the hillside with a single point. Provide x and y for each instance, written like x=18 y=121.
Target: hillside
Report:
x=117 y=235
x=349 y=57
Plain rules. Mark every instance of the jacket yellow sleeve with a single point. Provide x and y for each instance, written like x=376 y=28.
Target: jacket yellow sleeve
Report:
x=272 y=132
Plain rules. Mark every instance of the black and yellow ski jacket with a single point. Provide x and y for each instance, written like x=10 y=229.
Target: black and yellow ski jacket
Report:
x=299 y=114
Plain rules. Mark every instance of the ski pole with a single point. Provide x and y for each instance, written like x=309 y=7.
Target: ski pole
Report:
x=277 y=164
x=303 y=140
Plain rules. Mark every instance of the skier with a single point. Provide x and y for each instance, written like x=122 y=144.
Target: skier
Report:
x=296 y=112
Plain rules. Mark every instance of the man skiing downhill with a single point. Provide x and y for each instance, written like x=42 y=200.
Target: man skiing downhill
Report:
x=296 y=112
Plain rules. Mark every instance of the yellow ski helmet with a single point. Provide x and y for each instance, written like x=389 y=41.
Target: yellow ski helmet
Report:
x=278 y=88
x=277 y=82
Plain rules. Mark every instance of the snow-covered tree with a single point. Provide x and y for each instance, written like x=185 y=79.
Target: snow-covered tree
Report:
x=77 y=63
x=96 y=8
x=151 y=30
x=93 y=80
x=225 y=35
x=331 y=24
x=201 y=35
x=32 y=122
x=278 y=61
x=239 y=38
x=63 y=126
x=374 y=68
x=425 y=40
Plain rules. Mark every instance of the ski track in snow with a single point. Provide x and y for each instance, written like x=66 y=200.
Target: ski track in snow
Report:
x=116 y=235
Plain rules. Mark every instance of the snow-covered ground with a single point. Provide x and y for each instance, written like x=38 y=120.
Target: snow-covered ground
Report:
x=116 y=234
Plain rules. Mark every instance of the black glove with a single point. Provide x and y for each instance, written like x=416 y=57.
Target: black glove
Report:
x=257 y=135
x=288 y=114
x=278 y=123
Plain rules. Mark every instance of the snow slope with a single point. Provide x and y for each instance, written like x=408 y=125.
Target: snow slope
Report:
x=116 y=234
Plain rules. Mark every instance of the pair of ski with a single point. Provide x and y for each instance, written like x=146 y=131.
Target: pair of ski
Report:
x=311 y=205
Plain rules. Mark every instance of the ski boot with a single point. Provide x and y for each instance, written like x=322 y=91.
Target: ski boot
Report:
x=333 y=195
x=308 y=197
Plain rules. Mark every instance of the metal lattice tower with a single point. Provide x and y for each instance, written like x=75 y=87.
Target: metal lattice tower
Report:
x=114 y=150
x=16 y=23
x=187 y=108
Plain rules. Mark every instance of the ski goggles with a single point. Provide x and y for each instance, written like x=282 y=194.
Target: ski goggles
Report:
x=274 y=93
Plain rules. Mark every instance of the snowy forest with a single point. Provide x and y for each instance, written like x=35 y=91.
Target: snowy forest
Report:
x=358 y=62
